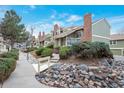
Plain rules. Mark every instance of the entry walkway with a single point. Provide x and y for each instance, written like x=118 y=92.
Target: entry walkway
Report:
x=23 y=76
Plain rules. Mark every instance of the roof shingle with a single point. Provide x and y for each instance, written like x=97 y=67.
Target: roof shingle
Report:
x=117 y=37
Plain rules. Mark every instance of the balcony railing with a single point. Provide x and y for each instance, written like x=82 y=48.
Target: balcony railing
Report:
x=71 y=41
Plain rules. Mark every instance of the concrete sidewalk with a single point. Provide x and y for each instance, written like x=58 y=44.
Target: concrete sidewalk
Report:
x=23 y=76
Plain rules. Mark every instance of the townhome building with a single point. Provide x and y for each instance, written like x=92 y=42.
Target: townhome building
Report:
x=44 y=39
x=98 y=30
x=117 y=44
x=90 y=31
x=3 y=47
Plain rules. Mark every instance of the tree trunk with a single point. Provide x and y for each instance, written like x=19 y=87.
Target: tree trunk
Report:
x=12 y=44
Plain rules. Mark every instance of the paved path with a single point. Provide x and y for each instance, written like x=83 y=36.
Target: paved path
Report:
x=23 y=76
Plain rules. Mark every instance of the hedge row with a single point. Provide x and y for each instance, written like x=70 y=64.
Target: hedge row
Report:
x=86 y=50
x=8 y=64
x=11 y=54
x=81 y=50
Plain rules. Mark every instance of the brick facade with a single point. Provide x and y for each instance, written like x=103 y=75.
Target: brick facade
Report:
x=39 y=36
x=43 y=36
x=87 y=33
x=56 y=28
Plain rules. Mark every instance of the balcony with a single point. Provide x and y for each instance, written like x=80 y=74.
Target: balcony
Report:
x=71 y=41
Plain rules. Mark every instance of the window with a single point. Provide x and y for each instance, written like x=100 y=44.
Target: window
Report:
x=113 y=42
x=61 y=31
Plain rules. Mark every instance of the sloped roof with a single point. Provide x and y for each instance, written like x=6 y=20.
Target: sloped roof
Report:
x=117 y=37
x=68 y=31
x=101 y=20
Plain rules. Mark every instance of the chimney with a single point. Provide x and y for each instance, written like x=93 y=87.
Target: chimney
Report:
x=87 y=33
x=43 y=35
x=39 y=36
x=56 y=28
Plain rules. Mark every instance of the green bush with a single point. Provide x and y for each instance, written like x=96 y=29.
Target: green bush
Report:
x=7 y=66
x=39 y=50
x=11 y=54
x=46 y=52
x=78 y=48
x=64 y=51
x=91 y=50
x=8 y=63
x=58 y=47
x=50 y=46
x=31 y=49
x=102 y=49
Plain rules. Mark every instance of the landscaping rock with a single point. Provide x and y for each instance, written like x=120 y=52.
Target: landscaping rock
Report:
x=77 y=85
x=91 y=74
x=80 y=76
x=84 y=72
x=86 y=81
x=82 y=67
x=55 y=76
x=70 y=80
x=64 y=72
x=98 y=84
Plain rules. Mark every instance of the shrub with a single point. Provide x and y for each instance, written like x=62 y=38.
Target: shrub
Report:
x=46 y=52
x=102 y=49
x=11 y=54
x=8 y=63
x=57 y=47
x=64 y=51
x=50 y=46
x=78 y=48
x=91 y=50
x=31 y=49
x=39 y=50
x=7 y=66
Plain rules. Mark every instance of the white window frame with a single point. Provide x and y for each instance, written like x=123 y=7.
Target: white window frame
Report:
x=113 y=42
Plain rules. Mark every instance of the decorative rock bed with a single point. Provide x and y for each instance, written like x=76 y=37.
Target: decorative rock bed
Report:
x=81 y=76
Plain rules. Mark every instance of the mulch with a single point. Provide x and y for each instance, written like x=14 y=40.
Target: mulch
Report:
x=89 y=62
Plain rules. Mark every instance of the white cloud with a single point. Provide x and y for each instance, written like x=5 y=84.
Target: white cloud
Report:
x=93 y=15
x=74 y=18
x=63 y=15
x=54 y=14
x=116 y=19
x=3 y=9
x=39 y=27
x=117 y=23
x=32 y=6
x=61 y=23
x=25 y=11
x=58 y=15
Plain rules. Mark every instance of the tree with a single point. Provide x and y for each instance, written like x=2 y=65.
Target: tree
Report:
x=12 y=29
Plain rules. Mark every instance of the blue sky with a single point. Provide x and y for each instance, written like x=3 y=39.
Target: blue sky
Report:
x=42 y=18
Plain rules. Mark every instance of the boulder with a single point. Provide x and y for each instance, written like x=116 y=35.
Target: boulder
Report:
x=83 y=67
x=77 y=86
